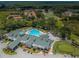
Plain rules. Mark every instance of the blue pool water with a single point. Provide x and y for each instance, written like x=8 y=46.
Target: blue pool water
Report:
x=34 y=32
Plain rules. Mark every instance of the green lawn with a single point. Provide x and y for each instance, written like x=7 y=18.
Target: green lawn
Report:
x=74 y=38
x=65 y=48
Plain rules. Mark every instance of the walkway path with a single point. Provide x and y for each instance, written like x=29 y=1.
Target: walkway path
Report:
x=54 y=40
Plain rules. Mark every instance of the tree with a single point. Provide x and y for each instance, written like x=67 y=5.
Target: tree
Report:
x=65 y=32
x=40 y=15
x=34 y=24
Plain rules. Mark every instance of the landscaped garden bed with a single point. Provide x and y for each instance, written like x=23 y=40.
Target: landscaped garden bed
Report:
x=9 y=52
x=31 y=50
x=6 y=40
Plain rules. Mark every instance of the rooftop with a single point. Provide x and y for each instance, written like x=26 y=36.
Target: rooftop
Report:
x=41 y=41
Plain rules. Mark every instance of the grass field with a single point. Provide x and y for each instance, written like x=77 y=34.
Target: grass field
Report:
x=74 y=38
x=65 y=48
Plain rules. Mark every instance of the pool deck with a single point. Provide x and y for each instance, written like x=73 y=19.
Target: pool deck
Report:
x=27 y=32
x=42 y=41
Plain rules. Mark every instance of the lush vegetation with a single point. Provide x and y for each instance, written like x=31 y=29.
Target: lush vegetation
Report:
x=72 y=24
x=74 y=38
x=65 y=48
x=9 y=52
x=50 y=19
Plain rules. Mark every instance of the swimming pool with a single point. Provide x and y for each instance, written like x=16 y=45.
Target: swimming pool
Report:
x=35 y=32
